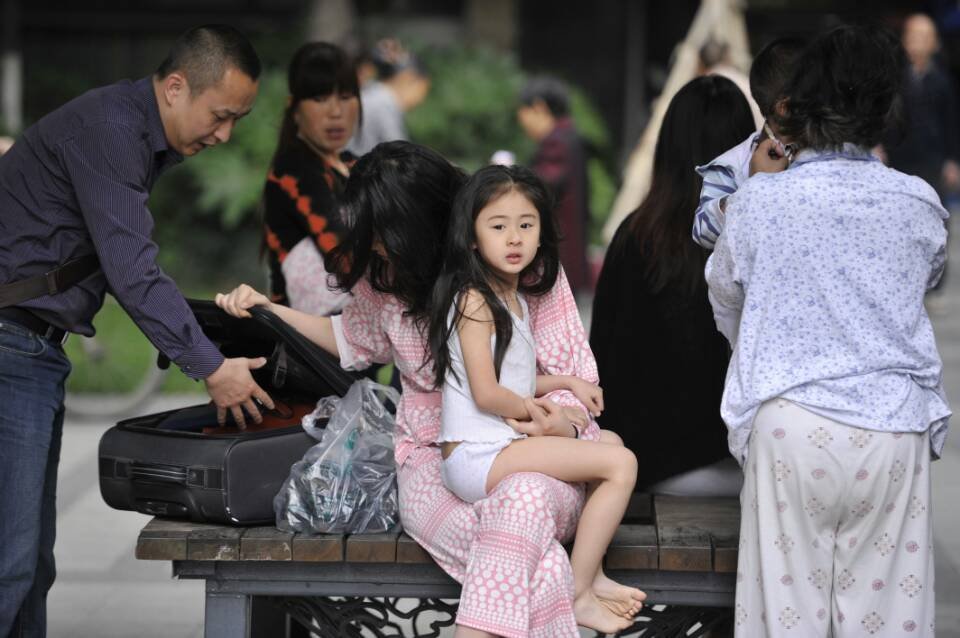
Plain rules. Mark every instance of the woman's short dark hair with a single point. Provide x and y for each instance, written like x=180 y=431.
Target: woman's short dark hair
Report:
x=203 y=54
x=846 y=88
x=464 y=268
x=551 y=91
x=398 y=198
x=706 y=117
x=317 y=69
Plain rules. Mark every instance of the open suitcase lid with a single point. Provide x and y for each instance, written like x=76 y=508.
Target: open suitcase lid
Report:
x=292 y=359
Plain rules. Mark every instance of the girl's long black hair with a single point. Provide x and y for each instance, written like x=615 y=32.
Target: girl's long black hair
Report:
x=707 y=116
x=397 y=201
x=464 y=269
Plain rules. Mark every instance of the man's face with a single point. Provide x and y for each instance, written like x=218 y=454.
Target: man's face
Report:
x=198 y=121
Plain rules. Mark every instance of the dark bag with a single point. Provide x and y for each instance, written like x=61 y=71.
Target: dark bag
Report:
x=181 y=464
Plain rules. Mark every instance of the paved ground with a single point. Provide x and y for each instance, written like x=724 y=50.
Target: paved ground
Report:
x=103 y=592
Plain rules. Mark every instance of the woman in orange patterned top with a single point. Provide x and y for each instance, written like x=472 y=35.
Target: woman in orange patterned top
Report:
x=307 y=177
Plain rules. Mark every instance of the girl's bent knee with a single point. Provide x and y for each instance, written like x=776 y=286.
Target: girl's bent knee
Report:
x=625 y=467
x=610 y=438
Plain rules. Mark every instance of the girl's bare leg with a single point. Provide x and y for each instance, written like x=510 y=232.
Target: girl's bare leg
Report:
x=614 y=468
x=620 y=599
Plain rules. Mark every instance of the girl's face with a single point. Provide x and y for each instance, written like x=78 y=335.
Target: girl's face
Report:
x=327 y=122
x=508 y=234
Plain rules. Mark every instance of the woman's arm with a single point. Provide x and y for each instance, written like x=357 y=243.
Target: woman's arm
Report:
x=589 y=394
x=474 y=330
x=317 y=329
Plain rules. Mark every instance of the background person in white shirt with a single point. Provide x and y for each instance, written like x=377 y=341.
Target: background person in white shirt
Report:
x=833 y=397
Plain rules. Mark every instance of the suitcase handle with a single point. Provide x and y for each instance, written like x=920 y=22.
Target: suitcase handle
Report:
x=158 y=473
x=202 y=477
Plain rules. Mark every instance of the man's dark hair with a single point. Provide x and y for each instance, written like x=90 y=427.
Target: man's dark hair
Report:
x=772 y=69
x=204 y=53
x=551 y=91
x=846 y=88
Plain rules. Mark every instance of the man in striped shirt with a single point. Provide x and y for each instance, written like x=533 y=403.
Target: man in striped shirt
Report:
x=74 y=189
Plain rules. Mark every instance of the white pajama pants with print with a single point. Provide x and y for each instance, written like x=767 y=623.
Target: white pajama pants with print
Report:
x=835 y=532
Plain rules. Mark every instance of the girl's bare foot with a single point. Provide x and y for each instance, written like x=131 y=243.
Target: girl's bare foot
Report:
x=591 y=613
x=620 y=599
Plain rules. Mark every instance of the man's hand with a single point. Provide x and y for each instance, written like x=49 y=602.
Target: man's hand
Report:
x=768 y=157
x=232 y=388
x=238 y=301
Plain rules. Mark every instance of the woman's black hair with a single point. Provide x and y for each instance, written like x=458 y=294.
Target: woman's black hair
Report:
x=397 y=200
x=846 y=88
x=464 y=268
x=317 y=69
x=706 y=117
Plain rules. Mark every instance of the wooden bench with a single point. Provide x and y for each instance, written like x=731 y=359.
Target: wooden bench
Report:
x=680 y=550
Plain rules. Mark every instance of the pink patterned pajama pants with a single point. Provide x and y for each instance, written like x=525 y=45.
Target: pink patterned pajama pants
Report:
x=504 y=549
x=835 y=532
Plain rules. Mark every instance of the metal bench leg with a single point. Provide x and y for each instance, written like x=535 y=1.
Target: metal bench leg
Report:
x=227 y=615
x=270 y=620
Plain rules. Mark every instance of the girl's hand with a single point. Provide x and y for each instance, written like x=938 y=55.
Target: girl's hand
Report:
x=551 y=417
x=238 y=301
x=530 y=428
x=589 y=394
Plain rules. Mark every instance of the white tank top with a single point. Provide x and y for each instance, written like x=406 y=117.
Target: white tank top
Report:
x=461 y=419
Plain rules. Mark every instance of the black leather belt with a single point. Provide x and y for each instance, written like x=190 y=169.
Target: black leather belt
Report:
x=34 y=324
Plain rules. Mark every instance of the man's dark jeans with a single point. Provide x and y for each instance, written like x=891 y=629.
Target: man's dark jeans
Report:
x=32 y=375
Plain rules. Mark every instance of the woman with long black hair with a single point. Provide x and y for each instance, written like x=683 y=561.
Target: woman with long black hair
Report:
x=397 y=206
x=301 y=219
x=661 y=360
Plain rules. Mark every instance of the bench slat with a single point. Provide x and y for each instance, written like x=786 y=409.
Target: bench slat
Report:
x=214 y=543
x=633 y=547
x=639 y=509
x=165 y=539
x=320 y=548
x=690 y=528
x=372 y=548
x=409 y=551
x=266 y=543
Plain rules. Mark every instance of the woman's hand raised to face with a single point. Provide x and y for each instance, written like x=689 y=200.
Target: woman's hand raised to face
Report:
x=238 y=301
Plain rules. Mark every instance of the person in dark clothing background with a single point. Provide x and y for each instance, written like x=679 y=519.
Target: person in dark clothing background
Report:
x=561 y=162
x=301 y=217
x=73 y=199
x=929 y=145
x=661 y=360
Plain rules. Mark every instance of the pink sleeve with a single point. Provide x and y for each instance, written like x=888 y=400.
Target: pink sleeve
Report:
x=361 y=337
x=562 y=346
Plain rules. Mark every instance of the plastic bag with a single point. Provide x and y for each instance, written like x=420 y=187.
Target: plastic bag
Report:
x=346 y=483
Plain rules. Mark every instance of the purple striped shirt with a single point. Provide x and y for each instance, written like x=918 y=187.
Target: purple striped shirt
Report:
x=77 y=182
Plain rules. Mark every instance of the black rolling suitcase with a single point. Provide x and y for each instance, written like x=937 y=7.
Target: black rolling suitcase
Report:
x=180 y=464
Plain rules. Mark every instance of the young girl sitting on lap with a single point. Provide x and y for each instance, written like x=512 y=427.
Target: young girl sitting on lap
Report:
x=502 y=245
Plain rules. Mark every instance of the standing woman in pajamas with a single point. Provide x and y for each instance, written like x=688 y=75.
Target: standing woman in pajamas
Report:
x=833 y=397
x=506 y=548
